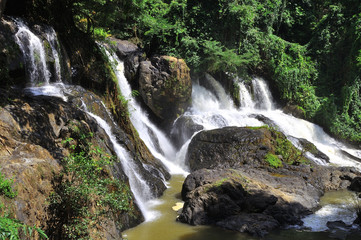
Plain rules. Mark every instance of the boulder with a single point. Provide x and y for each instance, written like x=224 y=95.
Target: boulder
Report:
x=307 y=146
x=233 y=147
x=234 y=199
x=165 y=86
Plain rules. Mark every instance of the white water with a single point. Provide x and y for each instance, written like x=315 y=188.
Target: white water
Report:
x=138 y=185
x=34 y=54
x=54 y=44
x=245 y=96
x=208 y=111
x=158 y=144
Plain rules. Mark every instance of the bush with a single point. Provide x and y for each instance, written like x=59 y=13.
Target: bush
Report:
x=5 y=187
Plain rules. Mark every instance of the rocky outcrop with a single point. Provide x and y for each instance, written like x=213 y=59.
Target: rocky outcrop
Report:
x=32 y=132
x=253 y=180
x=165 y=86
x=12 y=69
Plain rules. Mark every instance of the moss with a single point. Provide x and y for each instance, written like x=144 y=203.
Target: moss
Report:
x=273 y=160
x=283 y=147
x=261 y=127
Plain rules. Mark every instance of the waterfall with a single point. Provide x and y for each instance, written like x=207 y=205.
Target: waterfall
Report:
x=138 y=185
x=156 y=141
x=263 y=97
x=245 y=96
x=54 y=45
x=34 y=54
x=208 y=111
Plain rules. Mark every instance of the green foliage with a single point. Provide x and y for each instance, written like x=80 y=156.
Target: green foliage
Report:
x=310 y=50
x=13 y=229
x=5 y=187
x=87 y=194
x=273 y=160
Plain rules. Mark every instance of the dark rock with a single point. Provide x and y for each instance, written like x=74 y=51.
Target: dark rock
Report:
x=2 y=7
x=356 y=184
x=183 y=129
x=218 y=197
x=265 y=120
x=253 y=223
x=229 y=147
x=11 y=58
x=165 y=86
x=236 y=174
x=338 y=225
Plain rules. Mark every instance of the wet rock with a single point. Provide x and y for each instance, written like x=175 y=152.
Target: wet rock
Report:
x=311 y=148
x=165 y=86
x=252 y=223
x=231 y=198
x=11 y=59
x=183 y=129
x=131 y=54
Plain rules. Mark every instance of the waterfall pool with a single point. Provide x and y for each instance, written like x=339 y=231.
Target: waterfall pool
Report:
x=165 y=227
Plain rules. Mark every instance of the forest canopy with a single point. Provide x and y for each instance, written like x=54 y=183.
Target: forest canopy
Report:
x=309 y=50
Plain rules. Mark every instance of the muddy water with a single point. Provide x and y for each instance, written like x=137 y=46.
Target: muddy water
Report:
x=166 y=227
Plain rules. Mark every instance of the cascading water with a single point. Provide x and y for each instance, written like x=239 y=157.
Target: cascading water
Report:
x=245 y=97
x=54 y=45
x=208 y=111
x=164 y=150
x=138 y=185
x=34 y=54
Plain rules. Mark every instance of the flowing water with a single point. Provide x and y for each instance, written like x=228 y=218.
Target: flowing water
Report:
x=211 y=109
x=54 y=45
x=34 y=54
